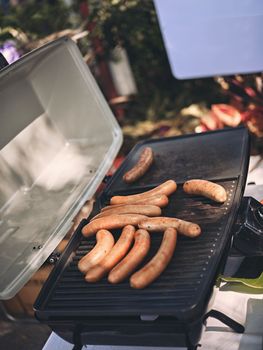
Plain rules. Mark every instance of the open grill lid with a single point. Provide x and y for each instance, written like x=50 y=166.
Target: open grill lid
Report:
x=58 y=139
x=183 y=288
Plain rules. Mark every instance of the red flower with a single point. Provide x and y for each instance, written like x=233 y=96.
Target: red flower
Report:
x=220 y=115
x=253 y=117
x=227 y=114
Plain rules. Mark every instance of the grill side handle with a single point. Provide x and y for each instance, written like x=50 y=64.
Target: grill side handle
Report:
x=248 y=238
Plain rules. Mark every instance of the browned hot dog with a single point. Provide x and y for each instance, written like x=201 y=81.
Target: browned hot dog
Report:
x=207 y=189
x=105 y=242
x=158 y=263
x=140 y=168
x=111 y=222
x=162 y=223
x=115 y=255
x=167 y=188
x=132 y=259
x=148 y=210
x=161 y=200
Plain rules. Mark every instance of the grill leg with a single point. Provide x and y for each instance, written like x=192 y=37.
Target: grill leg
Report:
x=77 y=347
x=77 y=339
x=194 y=347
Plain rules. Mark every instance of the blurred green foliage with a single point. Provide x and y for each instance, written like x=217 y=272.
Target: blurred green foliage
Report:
x=134 y=25
x=35 y=18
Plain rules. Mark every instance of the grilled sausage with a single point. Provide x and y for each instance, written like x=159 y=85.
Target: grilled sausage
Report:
x=167 y=188
x=140 y=168
x=132 y=259
x=111 y=222
x=115 y=255
x=161 y=200
x=207 y=189
x=162 y=223
x=105 y=242
x=149 y=210
x=158 y=263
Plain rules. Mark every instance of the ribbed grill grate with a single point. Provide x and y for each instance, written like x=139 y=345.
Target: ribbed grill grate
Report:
x=189 y=274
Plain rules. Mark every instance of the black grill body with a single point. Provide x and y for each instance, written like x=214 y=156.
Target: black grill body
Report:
x=169 y=312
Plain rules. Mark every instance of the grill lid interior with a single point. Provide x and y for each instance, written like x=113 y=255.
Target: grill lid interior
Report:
x=58 y=139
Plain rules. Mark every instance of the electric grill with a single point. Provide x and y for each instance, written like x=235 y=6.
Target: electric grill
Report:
x=170 y=311
x=58 y=140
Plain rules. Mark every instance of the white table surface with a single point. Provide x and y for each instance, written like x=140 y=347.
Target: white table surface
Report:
x=241 y=305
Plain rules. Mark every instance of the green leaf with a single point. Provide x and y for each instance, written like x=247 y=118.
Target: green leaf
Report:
x=250 y=282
